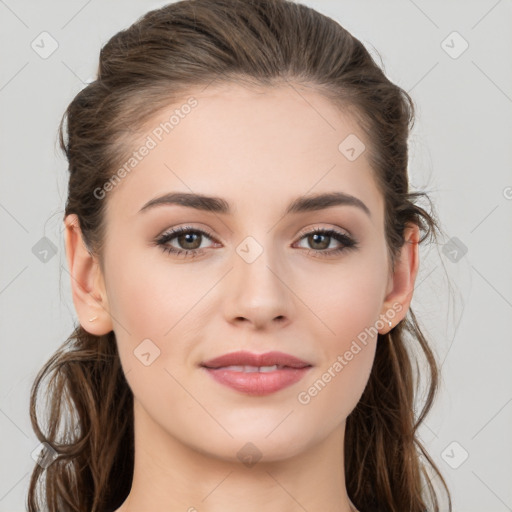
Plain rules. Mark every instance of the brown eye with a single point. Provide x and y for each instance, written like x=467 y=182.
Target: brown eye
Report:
x=188 y=240
x=319 y=240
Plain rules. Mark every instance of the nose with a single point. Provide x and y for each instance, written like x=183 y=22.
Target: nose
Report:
x=256 y=291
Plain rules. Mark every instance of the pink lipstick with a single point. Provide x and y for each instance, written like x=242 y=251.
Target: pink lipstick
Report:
x=256 y=374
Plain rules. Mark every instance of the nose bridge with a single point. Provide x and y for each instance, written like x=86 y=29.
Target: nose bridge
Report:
x=259 y=245
x=258 y=262
x=257 y=288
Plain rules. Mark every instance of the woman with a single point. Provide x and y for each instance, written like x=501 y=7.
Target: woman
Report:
x=243 y=247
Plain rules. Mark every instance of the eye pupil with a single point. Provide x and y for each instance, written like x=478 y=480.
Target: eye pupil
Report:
x=323 y=245
x=188 y=238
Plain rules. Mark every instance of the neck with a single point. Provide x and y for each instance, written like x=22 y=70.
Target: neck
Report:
x=171 y=476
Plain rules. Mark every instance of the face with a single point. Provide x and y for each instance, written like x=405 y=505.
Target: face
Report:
x=309 y=283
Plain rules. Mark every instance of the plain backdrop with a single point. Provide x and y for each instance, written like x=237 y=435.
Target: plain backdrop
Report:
x=454 y=58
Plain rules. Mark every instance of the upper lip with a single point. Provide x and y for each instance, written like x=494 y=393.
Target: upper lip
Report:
x=244 y=358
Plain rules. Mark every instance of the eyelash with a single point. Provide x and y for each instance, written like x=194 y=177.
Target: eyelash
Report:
x=162 y=240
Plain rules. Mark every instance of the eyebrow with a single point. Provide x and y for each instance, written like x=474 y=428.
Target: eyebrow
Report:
x=219 y=205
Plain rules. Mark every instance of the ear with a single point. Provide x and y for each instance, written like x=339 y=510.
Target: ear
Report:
x=401 y=283
x=87 y=283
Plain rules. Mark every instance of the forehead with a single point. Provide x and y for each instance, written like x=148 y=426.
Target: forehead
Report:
x=252 y=146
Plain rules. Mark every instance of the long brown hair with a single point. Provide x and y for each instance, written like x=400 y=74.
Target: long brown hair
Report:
x=143 y=69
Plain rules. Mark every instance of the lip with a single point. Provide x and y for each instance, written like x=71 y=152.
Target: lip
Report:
x=244 y=358
x=290 y=370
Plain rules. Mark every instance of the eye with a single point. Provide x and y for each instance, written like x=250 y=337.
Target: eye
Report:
x=321 y=238
x=189 y=241
x=186 y=236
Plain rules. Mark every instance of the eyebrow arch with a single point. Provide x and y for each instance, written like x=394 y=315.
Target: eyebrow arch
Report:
x=219 y=205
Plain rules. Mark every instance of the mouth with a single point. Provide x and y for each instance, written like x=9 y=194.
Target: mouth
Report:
x=256 y=374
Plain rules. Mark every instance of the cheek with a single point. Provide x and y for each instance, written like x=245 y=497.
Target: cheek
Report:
x=157 y=310
x=149 y=307
x=348 y=301
x=349 y=311
x=336 y=386
x=150 y=297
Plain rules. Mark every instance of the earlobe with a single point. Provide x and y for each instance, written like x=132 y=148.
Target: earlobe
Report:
x=398 y=299
x=87 y=284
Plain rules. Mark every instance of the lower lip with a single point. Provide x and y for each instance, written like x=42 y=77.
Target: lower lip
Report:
x=258 y=383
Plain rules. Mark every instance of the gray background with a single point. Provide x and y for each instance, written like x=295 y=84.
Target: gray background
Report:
x=460 y=153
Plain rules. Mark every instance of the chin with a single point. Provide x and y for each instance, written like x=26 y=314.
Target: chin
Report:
x=248 y=445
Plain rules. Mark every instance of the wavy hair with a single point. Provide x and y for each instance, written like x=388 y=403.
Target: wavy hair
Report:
x=143 y=69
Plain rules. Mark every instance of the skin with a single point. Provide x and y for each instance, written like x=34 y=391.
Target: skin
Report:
x=258 y=149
